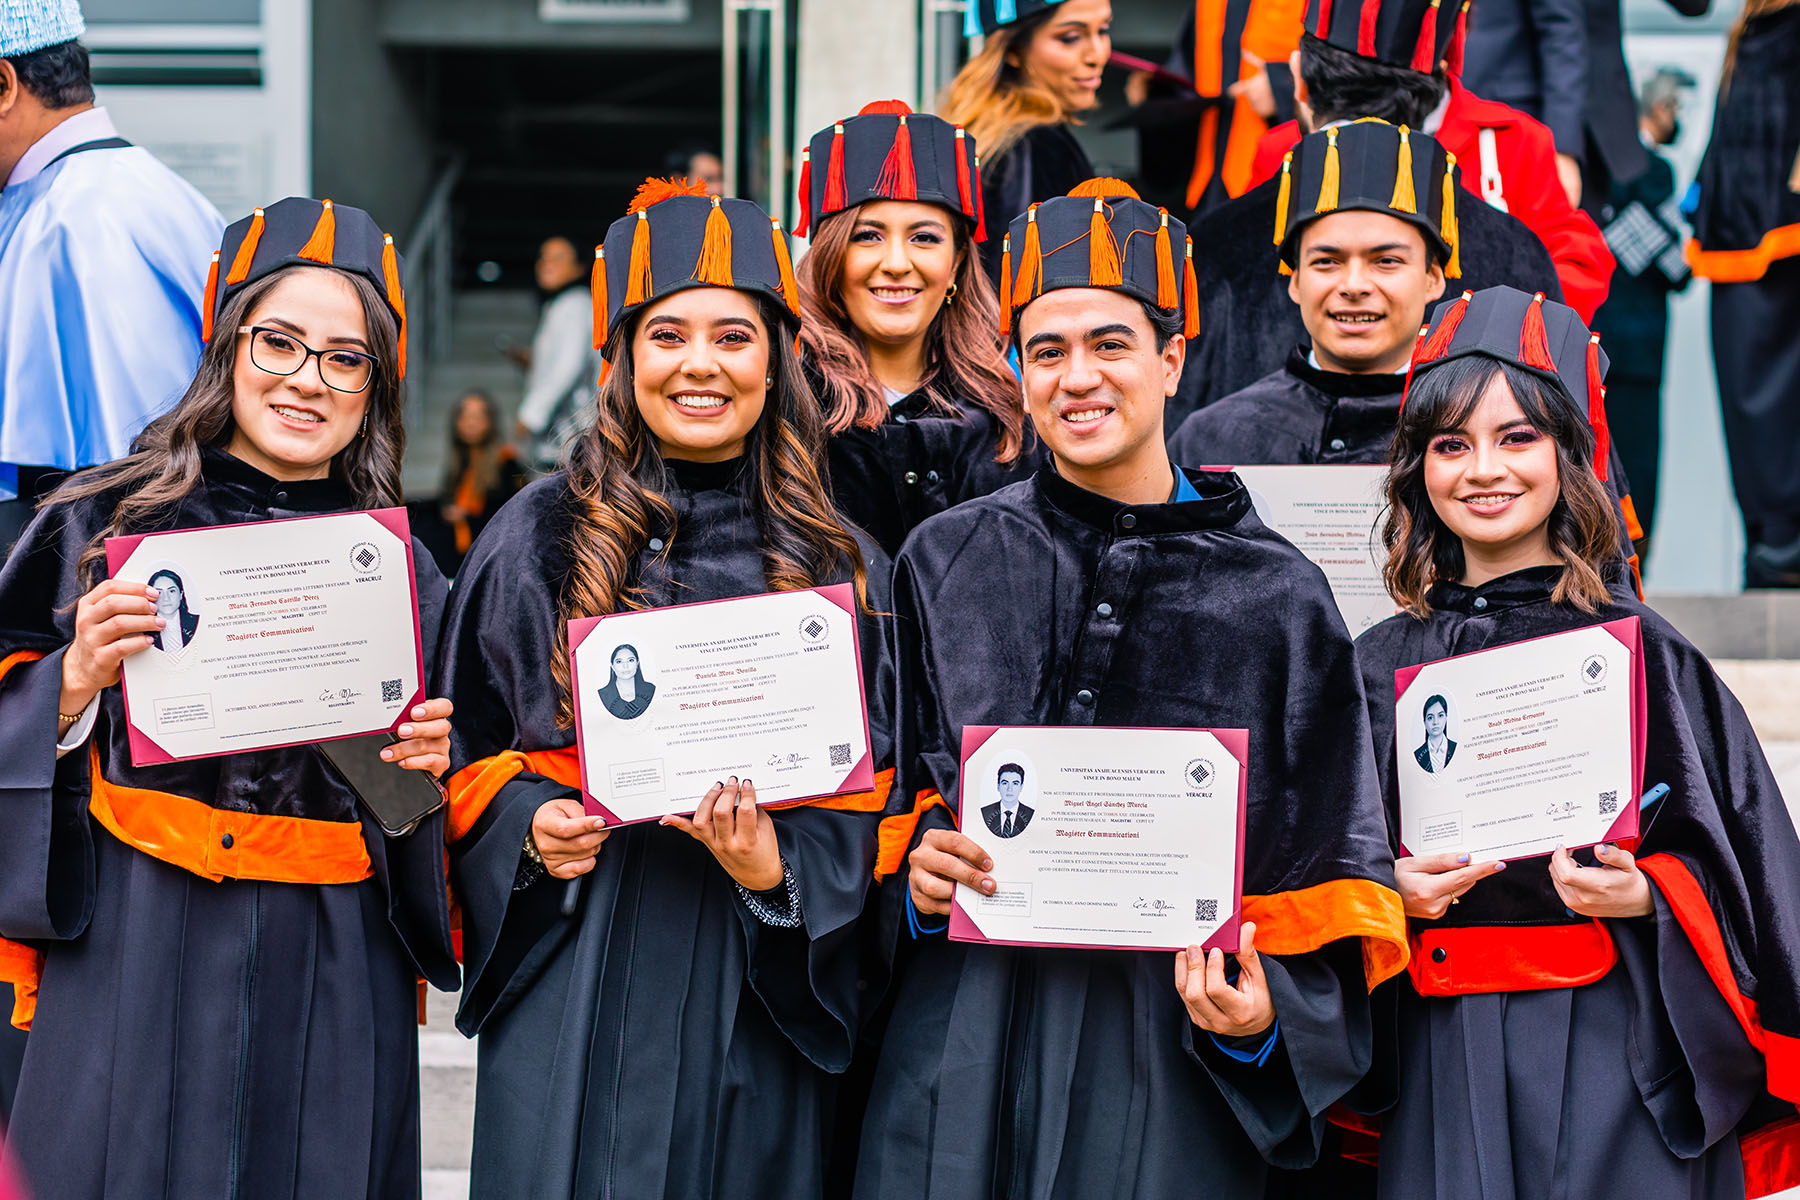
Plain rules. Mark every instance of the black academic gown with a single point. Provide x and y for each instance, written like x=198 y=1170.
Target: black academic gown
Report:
x=917 y=463
x=1636 y=1084
x=200 y=1036
x=1248 y=322
x=1036 y=1074
x=660 y=1041
x=1298 y=414
x=1046 y=162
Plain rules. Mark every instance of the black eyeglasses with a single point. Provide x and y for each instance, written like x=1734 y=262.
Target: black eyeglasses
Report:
x=281 y=353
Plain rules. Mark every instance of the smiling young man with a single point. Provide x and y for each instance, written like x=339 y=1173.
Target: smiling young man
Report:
x=1138 y=595
x=1365 y=252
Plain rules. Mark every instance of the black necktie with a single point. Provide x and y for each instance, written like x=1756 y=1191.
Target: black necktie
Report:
x=1006 y=825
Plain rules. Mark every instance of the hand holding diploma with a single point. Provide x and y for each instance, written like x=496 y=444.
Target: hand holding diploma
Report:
x=427 y=739
x=739 y=834
x=1430 y=883
x=567 y=839
x=1220 y=1006
x=944 y=859
x=112 y=622
x=1615 y=888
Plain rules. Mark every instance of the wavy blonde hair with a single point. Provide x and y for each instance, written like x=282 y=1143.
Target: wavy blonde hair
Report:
x=997 y=102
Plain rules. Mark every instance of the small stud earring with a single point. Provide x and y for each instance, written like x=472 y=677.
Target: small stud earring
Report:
x=769 y=381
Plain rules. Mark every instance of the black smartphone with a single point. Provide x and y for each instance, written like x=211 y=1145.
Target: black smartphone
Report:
x=397 y=799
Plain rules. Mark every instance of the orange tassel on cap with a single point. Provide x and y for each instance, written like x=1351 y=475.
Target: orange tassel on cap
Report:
x=1030 y=261
x=1006 y=285
x=1597 y=407
x=835 y=195
x=323 y=241
x=1103 y=252
x=1534 y=343
x=1425 y=49
x=637 y=279
x=246 y=251
x=1165 y=265
x=1190 y=300
x=396 y=298
x=898 y=180
x=209 y=302
x=597 y=286
x=963 y=199
x=1439 y=343
x=784 y=263
x=804 y=222
x=714 y=266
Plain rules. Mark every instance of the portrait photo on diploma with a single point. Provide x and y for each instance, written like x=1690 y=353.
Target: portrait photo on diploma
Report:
x=276 y=633
x=1515 y=750
x=1125 y=839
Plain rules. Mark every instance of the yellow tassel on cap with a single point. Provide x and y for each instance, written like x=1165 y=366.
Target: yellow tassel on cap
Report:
x=597 y=286
x=246 y=251
x=1103 y=252
x=714 y=266
x=1447 y=221
x=1283 y=196
x=637 y=278
x=1030 y=261
x=1328 y=179
x=1404 y=198
x=323 y=241
x=1165 y=265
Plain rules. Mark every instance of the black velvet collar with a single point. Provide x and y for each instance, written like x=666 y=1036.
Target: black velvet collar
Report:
x=224 y=469
x=706 y=476
x=1532 y=585
x=1338 y=383
x=1224 y=500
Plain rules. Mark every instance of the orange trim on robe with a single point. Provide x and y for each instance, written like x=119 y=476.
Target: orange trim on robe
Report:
x=1772 y=1158
x=1300 y=922
x=866 y=802
x=22 y=967
x=17 y=658
x=1687 y=899
x=1634 y=528
x=897 y=833
x=1510 y=958
x=219 y=844
x=474 y=787
x=1744 y=266
x=1272 y=33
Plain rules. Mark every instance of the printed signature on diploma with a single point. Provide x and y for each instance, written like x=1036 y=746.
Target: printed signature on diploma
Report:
x=787 y=760
x=334 y=694
x=1152 y=905
x=1566 y=808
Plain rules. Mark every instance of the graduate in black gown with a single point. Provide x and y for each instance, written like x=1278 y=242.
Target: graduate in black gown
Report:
x=660 y=1007
x=1603 y=1024
x=1361 y=263
x=899 y=332
x=219 y=957
x=1112 y=589
x=1247 y=322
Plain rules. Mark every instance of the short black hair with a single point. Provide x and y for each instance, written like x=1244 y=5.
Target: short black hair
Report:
x=1341 y=86
x=1440 y=702
x=1012 y=769
x=57 y=75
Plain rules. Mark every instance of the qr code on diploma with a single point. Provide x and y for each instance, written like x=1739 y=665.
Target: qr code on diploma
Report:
x=1609 y=803
x=840 y=754
x=1206 y=910
x=390 y=691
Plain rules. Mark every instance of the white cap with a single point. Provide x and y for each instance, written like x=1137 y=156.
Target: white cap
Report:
x=28 y=25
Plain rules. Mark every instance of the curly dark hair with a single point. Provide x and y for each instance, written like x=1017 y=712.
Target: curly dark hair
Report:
x=1341 y=86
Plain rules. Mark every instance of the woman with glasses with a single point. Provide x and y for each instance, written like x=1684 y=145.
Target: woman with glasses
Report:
x=218 y=958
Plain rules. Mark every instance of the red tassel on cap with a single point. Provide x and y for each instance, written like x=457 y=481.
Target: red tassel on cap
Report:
x=898 y=180
x=1597 y=407
x=964 y=200
x=1453 y=60
x=784 y=263
x=246 y=251
x=1103 y=252
x=1165 y=265
x=323 y=241
x=597 y=287
x=980 y=204
x=714 y=266
x=1365 y=28
x=396 y=298
x=1425 y=49
x=1006 y=286
x=1324 y=29
x=1438 y=344
x=835 y=196
x=1030 y=260
x=210 y=300
x=804 y=222
x=1190 y=300
x=1534 y=343
x=637 y=278
x=1412 y=364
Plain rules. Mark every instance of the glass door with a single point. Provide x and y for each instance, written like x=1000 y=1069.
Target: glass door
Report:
x=759 y=55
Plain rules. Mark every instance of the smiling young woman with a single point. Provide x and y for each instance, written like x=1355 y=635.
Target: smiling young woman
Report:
x=1619 y=990
x=900 y=336
x=621 y=1015
x=254 y=1013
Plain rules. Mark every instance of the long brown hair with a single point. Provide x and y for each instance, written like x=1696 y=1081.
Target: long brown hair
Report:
x=617 y=477
x=164 y=463
x=962 y=346
x=1423 y=551
x=999 y=102
x=483 y=457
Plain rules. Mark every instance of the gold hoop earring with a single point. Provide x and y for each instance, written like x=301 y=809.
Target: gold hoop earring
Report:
x=950 y=296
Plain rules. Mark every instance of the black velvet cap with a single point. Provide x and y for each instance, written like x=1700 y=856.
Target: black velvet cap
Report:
x=865 y=158
x=1372 y=166
x=985 y=16
x=1404 y=33
x=675 y=237
x=302 y=230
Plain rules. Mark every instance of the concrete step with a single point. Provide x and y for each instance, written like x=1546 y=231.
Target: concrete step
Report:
x=1747 y=625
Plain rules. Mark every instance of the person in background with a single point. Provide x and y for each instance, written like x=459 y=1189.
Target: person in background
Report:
x=481 y=473
x=561 y=367
x=103 y=260
x=901 y=330
x=1039 y=67
x=1747 y=241
x=1644 y=231
x=700 y=162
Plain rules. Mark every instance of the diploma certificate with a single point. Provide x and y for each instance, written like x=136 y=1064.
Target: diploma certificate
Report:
x=1330 y=514
x=279 y=633
x=1127 y=839
x=1514 y=751
x=767 y=688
